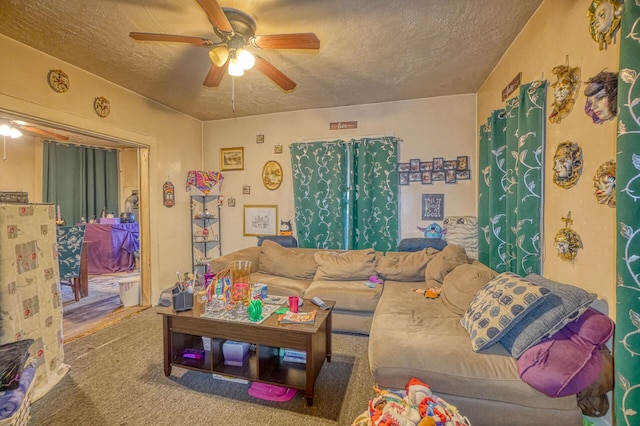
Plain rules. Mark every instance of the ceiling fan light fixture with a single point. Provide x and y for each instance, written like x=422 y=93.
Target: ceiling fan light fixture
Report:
x=245 y=58
x=12 y=132
x=235 y=69
x=219 y=55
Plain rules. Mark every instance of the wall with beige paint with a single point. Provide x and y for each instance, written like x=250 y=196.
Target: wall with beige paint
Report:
x=558 y=30
x=434 y=127
x=174 y=142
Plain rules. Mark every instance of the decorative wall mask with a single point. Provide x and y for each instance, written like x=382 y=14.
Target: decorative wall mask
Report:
x=602 y=96
x=567 y=164
x=565 y=91
x=605 y=183
x=567 y=241
x=604 y=21
x=58 y=81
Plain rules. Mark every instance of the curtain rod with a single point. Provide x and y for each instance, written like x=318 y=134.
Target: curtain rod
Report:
x=106 y=148
x=373 y=136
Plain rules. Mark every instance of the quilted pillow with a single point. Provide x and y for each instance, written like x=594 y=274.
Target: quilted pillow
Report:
x=570 y=361
x=443 y=263
x=292 y=263
x=565 y=304
x=13 y=357
x=404 y=266
x=345 y=266
x=498 y=306
x=460 y=285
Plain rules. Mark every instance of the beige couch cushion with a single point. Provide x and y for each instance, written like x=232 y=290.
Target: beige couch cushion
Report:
x=405 y=266
x=345 y=266
x=293 y=263
x=460 y=285
x=348 y=295
x=443 y=263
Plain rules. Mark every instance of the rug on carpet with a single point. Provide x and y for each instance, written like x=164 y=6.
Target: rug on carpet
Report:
x=117 y=378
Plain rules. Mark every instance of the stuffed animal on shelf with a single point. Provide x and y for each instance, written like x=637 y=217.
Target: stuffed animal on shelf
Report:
x=432 y=231
x=285 y=227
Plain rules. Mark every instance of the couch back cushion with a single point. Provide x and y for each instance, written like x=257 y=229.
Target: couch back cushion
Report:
x=405 y=266
x=461 y=285
x=443 y=263
x=345 y=266
x=498 y=306
x=294 y=263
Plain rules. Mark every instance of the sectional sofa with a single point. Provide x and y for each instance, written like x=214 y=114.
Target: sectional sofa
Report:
x=411 y=335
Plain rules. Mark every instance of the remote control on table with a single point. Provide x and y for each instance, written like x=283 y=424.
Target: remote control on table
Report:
x=319 y=302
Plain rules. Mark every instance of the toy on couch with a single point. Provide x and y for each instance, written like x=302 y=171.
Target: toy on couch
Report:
x=429 y=293
x=372 y=281
x=415 y=406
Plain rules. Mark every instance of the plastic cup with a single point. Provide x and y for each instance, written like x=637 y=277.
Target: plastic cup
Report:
x=293 y=303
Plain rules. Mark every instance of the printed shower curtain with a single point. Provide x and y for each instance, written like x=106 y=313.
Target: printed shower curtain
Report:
x=627 y=344
x=346 y=193
x=510 y=187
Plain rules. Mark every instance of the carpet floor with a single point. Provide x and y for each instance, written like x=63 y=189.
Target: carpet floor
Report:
x=117 y=378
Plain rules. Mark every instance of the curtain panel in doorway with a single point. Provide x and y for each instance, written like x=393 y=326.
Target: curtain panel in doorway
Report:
x=510 y=187
x=346 y=193
x=627 y=345
x=81 y=180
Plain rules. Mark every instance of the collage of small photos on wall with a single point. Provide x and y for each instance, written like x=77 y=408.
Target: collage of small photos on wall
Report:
x=436 y=170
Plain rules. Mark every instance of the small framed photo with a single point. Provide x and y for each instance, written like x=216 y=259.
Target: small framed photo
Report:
x=438 y=164
x=403 y=178
x=414 y=165
x=463 y=162
x=432 y=206
x=231 y=202
x=426 y=166
x=232 y=158
x=415 y=176
x=426 y=178
x=450 y=176
x=403 y=167
x=463 y=174
x=259 y=138
x=246 y=189
x=437 y=176
x=450 y=164
x=260 y=220
x=277 y=149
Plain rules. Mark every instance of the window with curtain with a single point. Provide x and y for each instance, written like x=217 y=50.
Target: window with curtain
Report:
x=510 y=187
x=81 y=180
x=346 y=193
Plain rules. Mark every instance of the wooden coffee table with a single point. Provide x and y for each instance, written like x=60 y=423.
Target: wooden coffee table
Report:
x=184 y=330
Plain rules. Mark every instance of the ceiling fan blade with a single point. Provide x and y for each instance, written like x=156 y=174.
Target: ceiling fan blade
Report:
x=215 y=75
x=287 y=41
x=45 y=133
x=171 y=37
x=216 y=15
x=274 y=74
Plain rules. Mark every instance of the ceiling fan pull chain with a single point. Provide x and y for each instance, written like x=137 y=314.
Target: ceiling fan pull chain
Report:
x=5 y=149
x=233 y=94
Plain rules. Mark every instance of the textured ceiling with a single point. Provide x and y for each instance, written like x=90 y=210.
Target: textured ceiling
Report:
x=370 y=50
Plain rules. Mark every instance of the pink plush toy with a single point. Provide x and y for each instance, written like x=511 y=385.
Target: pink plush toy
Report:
x=374 y=279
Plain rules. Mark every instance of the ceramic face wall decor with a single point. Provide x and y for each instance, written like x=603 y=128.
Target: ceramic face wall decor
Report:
x=567 y=241
x=565 y=91
x=604 y=20
x=602 y=96
x=567 y=164
x=605 y=183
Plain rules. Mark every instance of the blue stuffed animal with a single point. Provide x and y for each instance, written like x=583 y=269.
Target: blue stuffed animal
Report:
x=432 y=231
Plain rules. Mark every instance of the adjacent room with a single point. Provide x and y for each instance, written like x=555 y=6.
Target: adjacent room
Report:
x=282 y=211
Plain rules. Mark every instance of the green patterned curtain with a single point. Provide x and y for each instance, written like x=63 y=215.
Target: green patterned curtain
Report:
x=510 y=188
x=627 y=343
x=346 y=194
x=374 y=194
x=319 y=172
x=82 y=180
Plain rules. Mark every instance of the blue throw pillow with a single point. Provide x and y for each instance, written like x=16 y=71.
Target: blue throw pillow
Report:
x=565 y=304
x=498 y=306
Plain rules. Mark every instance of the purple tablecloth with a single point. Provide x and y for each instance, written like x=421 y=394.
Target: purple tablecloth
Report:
x=111 y=248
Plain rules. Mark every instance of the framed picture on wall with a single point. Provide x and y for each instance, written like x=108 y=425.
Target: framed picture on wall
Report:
x=450 y=176
x=232 y=158
x=260 y=220
x=438 y=164
x=414 y=165
x=403 y=167
x=426 y=178
x=426 y=166
x=450 y=164
x=403 y=178
x=463 y=162
x=432 y=206
x=415 y=177
x=463 y=174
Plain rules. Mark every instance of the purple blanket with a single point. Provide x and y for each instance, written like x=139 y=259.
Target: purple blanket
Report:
x=11 y=400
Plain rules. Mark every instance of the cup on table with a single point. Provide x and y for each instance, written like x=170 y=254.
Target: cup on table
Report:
x=293 y=303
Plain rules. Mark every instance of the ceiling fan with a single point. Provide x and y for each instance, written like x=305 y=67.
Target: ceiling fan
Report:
x=237 y=31
x=15 y=128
